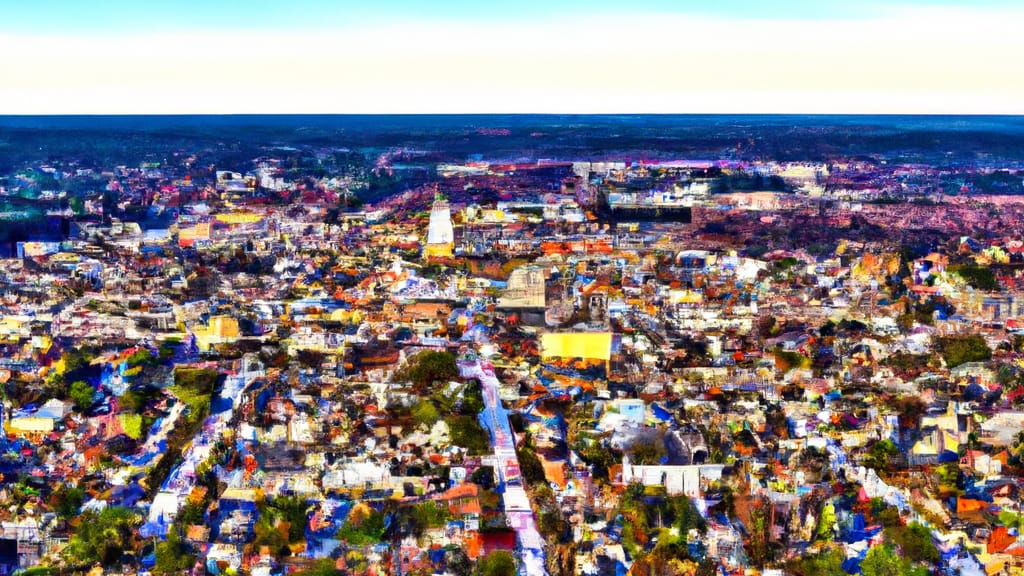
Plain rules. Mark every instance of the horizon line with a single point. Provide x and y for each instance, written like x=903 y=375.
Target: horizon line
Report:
x=454 y=114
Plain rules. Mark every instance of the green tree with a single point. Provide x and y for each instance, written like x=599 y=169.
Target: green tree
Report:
x=978 y=277
x=963 y=348
x=425 y=413
x=880 y=454
x=104 y=536
x=428 y=515
x=471 y=401
x=686 y=515
x=268 y=533
x=199 y=380
x=466 y=432
x=363 y=528
x=915 y=540
x=172 y=556
x=828 y=563
x=67 y=500
x=141 y=357
x=191 y=514
x=598 y=456
x=322 y=567
x=530 y=466
x=826 y=524
x=648 y=453
x=497 y=563
x=483 y=477
x=291 y=512
x=884 y=561
x=759 y=540
x=82 y=394
x=948 y=474
x=429 y=367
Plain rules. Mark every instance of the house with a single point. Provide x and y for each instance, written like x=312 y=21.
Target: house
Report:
x=984 y=464
x=462 y=500
x=687 y=479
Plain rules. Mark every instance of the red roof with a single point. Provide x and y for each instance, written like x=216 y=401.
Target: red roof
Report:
x=499 y=541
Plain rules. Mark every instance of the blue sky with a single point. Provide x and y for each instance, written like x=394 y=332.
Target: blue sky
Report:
x=106 y=16
x=543 y=56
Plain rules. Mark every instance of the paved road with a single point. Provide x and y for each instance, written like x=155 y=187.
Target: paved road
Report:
x=181 y=480
x=899 y=497
x=494 y=417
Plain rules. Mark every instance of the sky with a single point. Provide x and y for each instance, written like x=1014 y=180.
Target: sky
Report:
x=530 y=56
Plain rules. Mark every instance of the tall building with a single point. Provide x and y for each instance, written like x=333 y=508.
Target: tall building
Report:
x=440 y=234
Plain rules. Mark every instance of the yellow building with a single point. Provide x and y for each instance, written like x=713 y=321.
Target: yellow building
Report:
x=220 y=329
x=30 y=425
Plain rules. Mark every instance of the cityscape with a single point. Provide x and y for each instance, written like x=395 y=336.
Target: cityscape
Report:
x=512 y=345
x=511 y=288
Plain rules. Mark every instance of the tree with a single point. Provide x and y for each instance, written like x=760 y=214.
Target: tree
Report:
x=466 y=432
x=759 y=539
x=530 y=465
x=141 y=357
x=103 y=537
x=471 y=401
x=648 y=453
x=829 y=563
x=686 y=515
x=268 y=533
x=82 y=394
x=598 y=456
x=191 y=513
x=365 y=526
x=431 y=366
x=497 y=563
x=172 y=556
x=67 y=500
x=290 y=511
x=978 y=277
x=425 y=413
x=949 y=474
x=458 y=563
x=199 y=380
x=483 y=477
x=827 y=521
x=880 y=454
x=323 y=567
x=428 y=515
x=915 y=541
x=883 y=561
x=960 y=349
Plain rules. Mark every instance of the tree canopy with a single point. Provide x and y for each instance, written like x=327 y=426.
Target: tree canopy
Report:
x=497 y=563
x=963 y=348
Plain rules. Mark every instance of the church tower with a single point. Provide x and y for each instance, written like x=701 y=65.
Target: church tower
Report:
x=440 y=234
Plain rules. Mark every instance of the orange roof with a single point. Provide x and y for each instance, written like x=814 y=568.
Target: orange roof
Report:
x=462 y=499
x=464 y=490
x=969 y=505
x=473 y=544
x=554 y=472
x=999 y=540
